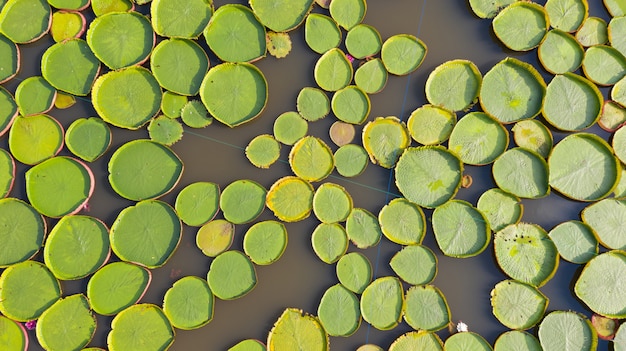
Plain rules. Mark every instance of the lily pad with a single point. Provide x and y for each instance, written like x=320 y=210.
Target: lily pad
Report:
x=9 y=58
x=426 y=308
x=166 y=17
x=612 y=117
x=522 y=173
x=27 y=289
x=197 y=203
x=24 y=233
x=354 y=271
x=363 y=228
x=179 y=65
x=25 y=21
x=115 y=97
x=416 y=341
x=311 y=159
x=605 y=218
x=339 y=311
x=76 y=247
x=249 y=345
x=478 y=139
x=348 y=13
x=402 y=222
x=234 y=34
x=453 y=85
x=329 y=241
x=263 y=151
x=615 y=7
x=415 y=264
x=461 y=230
x=488 y=8
x=64 y=100
x=295 y=330
x=582 y=167
x=619 y=144
x=7 y=173
x=105 y=34
x=88 y=138
x=333 y=71
x=516 y=340
x=363 y=41
x=101 y=7
x=371 y=76
x=567 y=15
x=215 y=237
x=402 y=54
x=143 y=169
x=618 y=92
x=188 y=304
x=620 y=338
x=283 y=15
x=34 y=95
x=231 y=275
x=466 y=341
x=321 y=33
x=59 y=186
x=140 y=327
x=604 y=65
x=290 y=198
x=290 y=127
x=116 y=286
x=195 y=115
x=575 y=241
x=278 y=44
x=533 y=135
x=615 y=32
x=593 y=31
x=382 y=303
x=146 y=233
x=569 y=328
x=521 y=25
x=559 y=52
x=500 y=208
x=67 y=25
x=312 y=104
x=431 y=125
x=351 y=160
x=234 y=93
x=34 y=139
x=351 y=105
x=172 y=104
x=572 y=102
x=385 y=138
x=13 y=335
x=77 y=5
x=341 y=133
x=265 y=242
x=68 y=324
x=517 y=305
x=331 y=203
x=165 y=130
x=242 y=201
x=8 y=109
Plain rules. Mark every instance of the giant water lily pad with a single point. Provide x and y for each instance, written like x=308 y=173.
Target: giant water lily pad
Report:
x=68 y=324
x=522 y=173
x=88 y=138
x=117 y=286
x=461 y=230
x=59 y=186
x=7 y=173
x=569 y=328
x=566 y=15
x=121 y=39
x=8 y=108
x=36 y=138
x=593 y=31
x=234 y=93
x=242 y=201
x=363 y=228
x=231 y=275
x=77 y=5
x=215 y=237
x=521 y=25
x=348 y=13
x=127 y=98
x=166 y=15
x=140 y=327
x=426 y=308
x=290 y=198
x=281 y=16
x=351 y=105
x=9 y=58
x=604 y=65
x=478 y=139
x=615 y=31
x=453 y=85
x=197 y=203
x=371 y=76
x=179 y=65
x=67 y=25
x=312 y=104
x=34 y=95
x=402 y=222
x=101 y=7
x=339 y=311
x=265 y=242
x=146 y=233
x=195 y=114
x=382 y=303
x=517 y=305
x=606 y=219
x=311 y=159
x=516 y=340
x=533 y=135
x=415 y=341
x=363 y=41
x=619 y=144
x=290 y=127
x=188 y=304
x=601 y=284
x=466 y=341
x=23 y=233
x=415 y=264
x=143 y=169
x=431 y=125
x=165 y=130
x=321 y=33
x=385 y=138
x=354 y=271
x=572 y=102
x=331 y=203
x=295 y=330
x=234 y=34
x=402 y=54
x=172 y=104
x=329 y=241
x=351 y=160
x=500 y=208
x=488 y=8
x=263 y=151
x=559 y=52
x=575 y=241
x=13 y=335
x=24 y=21
x=249 y=345
x=333 y=70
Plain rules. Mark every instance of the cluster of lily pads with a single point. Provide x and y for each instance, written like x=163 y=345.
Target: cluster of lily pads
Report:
x=152 y=71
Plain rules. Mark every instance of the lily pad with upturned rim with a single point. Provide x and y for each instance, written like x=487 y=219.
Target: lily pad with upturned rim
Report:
x=165 y=130
x=351 y=160
x=402 y=222
x=321 y=33
x=516 y=340
x=522 y=173
x=618 y=92
x=466 y=341
x=188 y=304
x=296 y=330
x=339 y=311
x=88 y=138
x=331 y=203
x=166 y=16
x=533 y=135
x=68 y=324
x=354 y=271
x=7 y=173
x=34 y=95
x=521 y=25
x=606 y=219
x=402 y=54
x=363 y=41
x=116 y=286
x=77 y=5
x=194 y=114
x=242 y=201
x=231 y=275
x=604 y=65
x=27 y=233
x=333 y=71
x=278 y=44
x=348 y=13
x=10 y=58
x=500 y=208
x=382 y=303
x=615 y=31
x=312 y=104
x=363 y=228
x=371 y=76
x=431 y=125
x=416 y=341
x=283 y=15
x=101 y=7
x=572 y=102
x=198 y=203
x=560 y=328
x=567 y=15
x=215 y=237
x=453 y=85
x=13 y=335
x=248 y=345
x=263 y=151
x=265 y=242
x=415 y=264
x=25 y=21
x=612 y=116
x=172 y=104
x=290 y=127
x=575 y=241
x=64 y=100
x=619 y=144
x=179 y=65
x=478 y=139
x=559 y=52
x=146 y=233
x=351 y=104
x=385 y=138
x=593 y=31
x=36 y=138
x=67 y=25
x=290 y=198
x=517 y=305
x=311 y=159
x=140 y=327
x=604 y=296
x=426 y=308
x=488 y=8
x=329 y=241
x=460 y=229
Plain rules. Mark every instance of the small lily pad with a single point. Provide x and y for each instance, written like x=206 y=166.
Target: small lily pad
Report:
x=569 y=328
x=25 y=21
x=351 y=160
x=416 y=341
x=195 y=115
x=290 y=198
x=198 y=203
x=165 y=130
x=605 y=218
x=592 y=32
x=68 y=324
x=341 y=133
x=575 y=241
x=559 y=52
x=454 y=85
x=605 y=327
x=295 y=330
x=77 y=5
x=59 y=186
x=311 y=159
x=348 y=13
x=517 y=305
x=521 y=25
x=402 y=54
x=234 y=34
x=265 y=242
x=13 y=335
x=146 y=233
x=363 y=41
x=488 y=8
x=612 y=117
x=500 y=208
x=242 y=201
x=604 y=65
x=88 y=138
x=313 y=104
x=371 y=76
x=572 y=102
x=166 y=15
x=329 y=241
x=339 y=311
x=9 y=58
x=67 y=25
x=172 y=104
x=415 y=264
x=533 y=135
x=188 y=304
x=34 y=139
x=363 y=228
x=321 y=33
x=249 y=345
x=351 y=105
x=290 y=127
x=64 y=100
x=140 y=327
x=263 y=151
x=426 y=308
x=385 y=138
x=76 y=247
x=231 y=275
x=215 y=237
x=516 y=340
x=116 y=286
x=101 y=7
x=382 y=303
x=331 y=203
x=460 y=229
x=179 y=65
x=478 y=139
x=522 y=173
x=402 y=222
x=278 y=44
x=466 y=341
x=283 y=15
x=431 y=125
x=354 y=271
x=26 y=234
x=567 y=15
x=333 y=71
x=34 y=95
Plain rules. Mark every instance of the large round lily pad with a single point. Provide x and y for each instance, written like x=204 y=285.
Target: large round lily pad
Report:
x=329 y=241
x=34 y=95
x=179 y=65
x=339 y=311
x=461 y=230
x=354 y=271
x=402 y=222
x=188 y=304
x=572 y=102
x=166 y=17
x=466 y=341
x=231 y=275
x=311 y=159
x=140 y=327
x=415 y=341
x=453 y=85
x=385 y=138
x=290 y=198
x=321 y=33
x=426 y=308
x=415 y=264
x=197 y=203
x=363 y=228
x=281 y=16
x=312 y=104
x=601 y=284
x=351 y=105
x=24 y=21
x=68 y=324
x=569 y=328
x=333 y=70
x=500 y=208
x=23 y=233
x=13 y=335
x=265 y=242
x=522 y=173
x=521 y=25
x=331 y=203
x=117 y=286
x=9 y=59
x=215 y=237
x=363 y=41
x=34 y=139
x=606 y=219
x=576 y=241
x=70 y=66
x=517 y=305
x=478 y=139
x=402 y=54
x=604 y=65
x=295 y=330
x=382 y=303
x=242 y=201
x=516 y=340
x=559 y=52
x=88 y=138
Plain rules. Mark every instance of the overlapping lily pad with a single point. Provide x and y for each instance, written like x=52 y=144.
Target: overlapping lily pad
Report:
x=24 y=21
x=478 y=139
x=488 y=8
x=195 y=115
x=117 y=286
x=140 y=327
x=283 y=15
x=593 y=31
x=231 y=275
x=234 y=34
x=575 y=241
x=68 y=324
x=166 y=17
x=13 y=335
x=533 y=135
x=179 y=65
x=521 y=25
x=67 y=25
x=500 y=208
x=601 y=284
x=461 y=230
x=572 y=102
x=612 y=117
x=559 y=52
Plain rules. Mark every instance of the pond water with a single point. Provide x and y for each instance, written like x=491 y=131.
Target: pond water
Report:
x=299 y=278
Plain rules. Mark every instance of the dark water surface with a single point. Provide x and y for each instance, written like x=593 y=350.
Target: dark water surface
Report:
x=299 y=278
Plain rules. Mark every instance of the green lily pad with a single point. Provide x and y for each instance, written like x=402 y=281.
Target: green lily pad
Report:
x=363 y=41
x=234 y=93
x=179 y=65
x=615 y=32
x=146 y=233
x=263 y=151
x=195 y=115
x=522 y=173
x=517 y=305
x=115 y=97
x=311 y=159
x=101 y=7
x=371 y=76
x=165 y=130
x=488 y=8
x=619 y=144
x=25 y=21
x=351 y=104
x=77 y=5
x=9 y=58
x=27 y=289
x=278 y=44
x=341 y=133
x=8 y=109
x=34 y=139
x=575 y=241
x=572 y=102
x=351 y=160
x=197 y=203
x=402 y=54
x=7 y=173
x=582 y=167
x=385 y=138
x=605 y=219
x=234 y=34
x=283 y=15
x=166 y=17
x=416 y=341
x=143 y=169
x=592 y=32
x=13 y=335
x=426 y=308
x=329 y=241
x=533 y=135
x=567 y=15
x=331 y=203
x=231 y=275
x=215 y=237
x=569 y=328
x=354 y=272
x=618 y=92
x=478 y=139
x=295 y=330
x=431 y=125
x=620 y=189
x=466 y=341
x=526 y=253
x=242 y=201
x=619 y=341
x=105 y=32
x=363 y=228
x=604 y=65
x=88 y=138
x=348 y=13
x=321 y=33
x=25 y=231
x=140 y=327
x=453 y=85
x=516 y=340
x=34 y=95
x=172 y=104
x=64 y=100
x=461 y=230
x=339 y=311
x=249 y=345
x=312 y=104
x=612 y=117
x=428 y=176
x=512 y=90
x=333 y=71
x=76 y=247
x=290 y=127
x=521 y=25
x=67 y=25
x=415 y=264
x=500 y=208
x=59 y=186
x=116 y=286
x=402 y=222
x=290 y=198
x=265 y=242
x=188 y=304
x=559 y=52
x=382 y=303
x=68 y=324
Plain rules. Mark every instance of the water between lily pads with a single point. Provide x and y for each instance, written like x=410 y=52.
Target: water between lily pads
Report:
x=299 y=278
